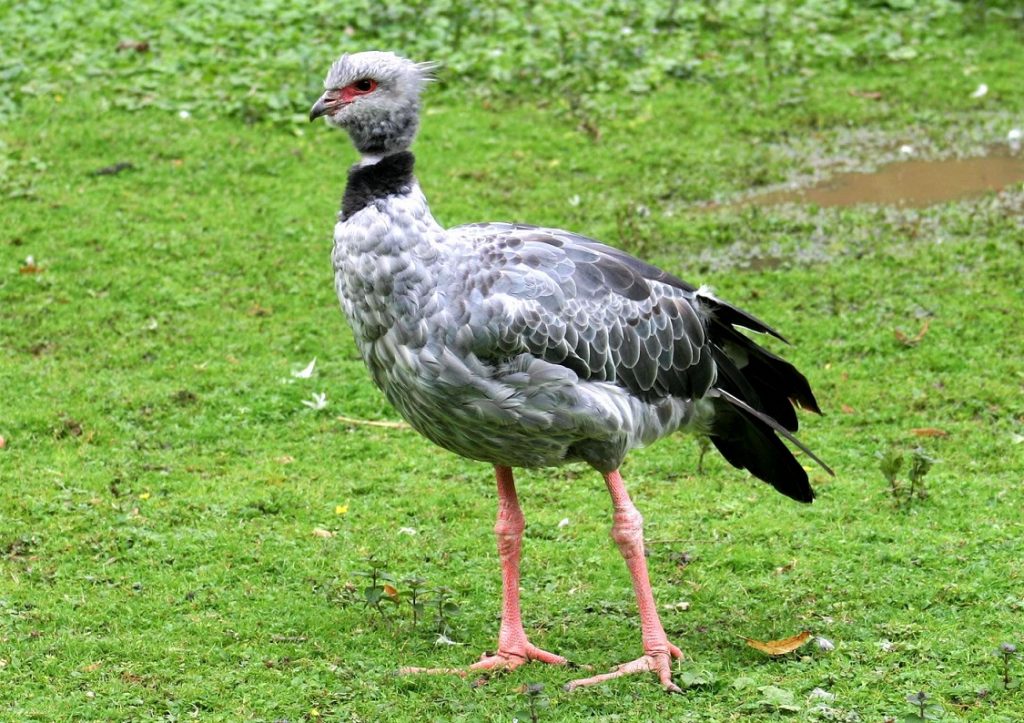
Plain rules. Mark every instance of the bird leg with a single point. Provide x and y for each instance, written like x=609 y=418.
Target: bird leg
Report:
x=514 y=648
x=627 y=531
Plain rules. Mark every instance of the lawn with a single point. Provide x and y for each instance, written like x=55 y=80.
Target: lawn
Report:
x=182 y=537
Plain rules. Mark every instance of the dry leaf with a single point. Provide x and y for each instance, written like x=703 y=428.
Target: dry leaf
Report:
x=391 y=591
x=913 y=340
x=847 y=409
x=929 y=432
x=3 y=442
x=139 y=46
x=93 y=667
x=779 y=647
x=321 y=532
x=785 y=568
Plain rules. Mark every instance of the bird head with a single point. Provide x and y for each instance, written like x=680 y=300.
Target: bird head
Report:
x=375 y=96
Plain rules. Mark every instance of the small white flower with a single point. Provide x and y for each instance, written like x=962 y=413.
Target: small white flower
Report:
x=574 y=200
x=30 y=260
x=406 y=531
x=151 y=324
x=906 y=150
x=825 y=644
x=319 y=401
x=564 y=522
x=184 y=114
x=307 y=372
x=980 y=92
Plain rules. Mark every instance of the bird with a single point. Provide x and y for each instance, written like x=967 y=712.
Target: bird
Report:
x=530 y=347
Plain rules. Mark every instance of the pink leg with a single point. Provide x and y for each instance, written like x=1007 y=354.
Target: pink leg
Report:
x=513 y=647
x=627 y=531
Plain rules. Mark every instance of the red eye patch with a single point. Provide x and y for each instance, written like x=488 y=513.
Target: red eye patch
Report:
x=353 y=90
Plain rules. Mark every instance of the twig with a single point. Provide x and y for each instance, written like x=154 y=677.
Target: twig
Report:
x=373 y=423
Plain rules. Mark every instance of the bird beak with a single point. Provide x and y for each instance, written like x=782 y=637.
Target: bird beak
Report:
x=323 y=106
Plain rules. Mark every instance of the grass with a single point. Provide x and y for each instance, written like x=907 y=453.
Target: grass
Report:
x=161 y=480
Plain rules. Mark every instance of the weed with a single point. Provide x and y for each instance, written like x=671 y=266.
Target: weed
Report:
x=924 y=710
x=536 y=699
x=415 y=587
x=904 y=493
x=1006 y=653
x=380 y=589
x=445 y=608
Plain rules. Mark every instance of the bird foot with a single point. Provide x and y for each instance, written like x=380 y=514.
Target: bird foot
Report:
x=510 y=660
x=501 y=661
x=658 y=662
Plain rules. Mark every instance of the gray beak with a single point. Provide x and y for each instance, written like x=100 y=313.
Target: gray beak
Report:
x=323 y=106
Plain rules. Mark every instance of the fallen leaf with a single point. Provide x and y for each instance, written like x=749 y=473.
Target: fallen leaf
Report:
x=318 y=402
x=30 y=266
x=3 y=442
x=406 y=531
x=785 y=568
x=913 y=340
x=929 y=432
x=257 y=310
x=307 y=372
x=825 y=644
x=391 y=591
x=139 y=46
x=564 y=522
x=847 y=409
x=93 y=667
x=285 y=459
x=779 y=647
x=980 y=92
x=321 y=532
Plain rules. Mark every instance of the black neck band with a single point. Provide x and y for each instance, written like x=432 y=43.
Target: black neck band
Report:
x=390 y=176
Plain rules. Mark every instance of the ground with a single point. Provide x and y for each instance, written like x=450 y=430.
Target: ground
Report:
x=182 y=537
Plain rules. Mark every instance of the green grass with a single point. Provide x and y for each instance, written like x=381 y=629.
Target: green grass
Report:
x=162 y=480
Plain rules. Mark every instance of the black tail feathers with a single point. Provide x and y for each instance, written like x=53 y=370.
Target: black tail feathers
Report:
x=754 y=403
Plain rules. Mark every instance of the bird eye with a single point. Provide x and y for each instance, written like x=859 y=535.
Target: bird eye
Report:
x=365 y=85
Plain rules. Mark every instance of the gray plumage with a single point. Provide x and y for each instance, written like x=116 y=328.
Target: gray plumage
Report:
x=524 y=346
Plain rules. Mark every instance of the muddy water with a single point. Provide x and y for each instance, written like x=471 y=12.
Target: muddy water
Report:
x=909 y=183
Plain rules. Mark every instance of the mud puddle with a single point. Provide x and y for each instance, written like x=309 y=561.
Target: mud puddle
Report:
x=910 y=183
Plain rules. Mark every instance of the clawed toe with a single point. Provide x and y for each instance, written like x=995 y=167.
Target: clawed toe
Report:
x=658 y=663
x=499 y=662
